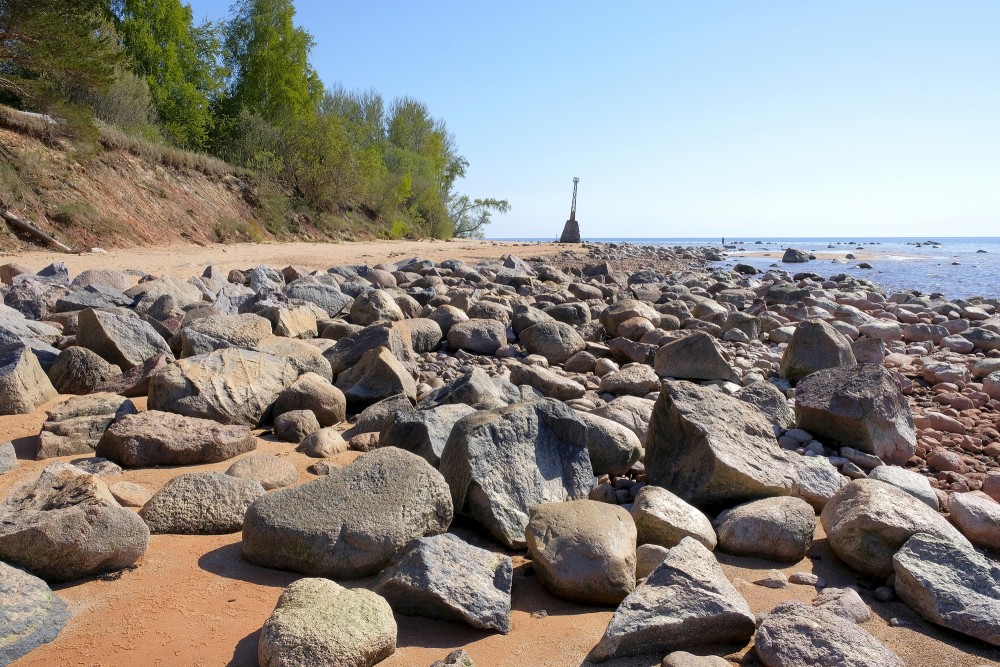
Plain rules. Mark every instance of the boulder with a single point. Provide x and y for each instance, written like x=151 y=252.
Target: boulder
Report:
x=350 y=523
x=423 y=432
x=273 y=472
x=770 y=400
x=500 y=463
x=374 y=306
x=377 y=375
x=664 y=519
x=201 y=503
x=623 y=310
x=153 y=438
x=134 y=382
x=815 y=480
x=478 y=336
x=714 y=449
x=647 y=558
x=556 y=341
x=347 y=352
x=795 y=634
x=550 y=383
x=794 y=256
x=327 y=297
x=323 y=443
x=231 y=386
x=304 y=356
x=66 y=525
x=474 y=389
x=631 y=412
x=447 y=578
x=814 y=346
x=76 y=425
x=778 y=529
x=121 y=337
x=295 y=425
x=30 y=613
x=860 y=406
x=632 y=380
x=583 y=550
x=978 y=517
x=318 y=623
x=613 y=448
x=913 y=483
x=687 y=601
x=217 y=332
x=950 y=584
x=129 y=494
x=313 y=392
x=867 y=522
x=844 y=602
x=77 y=370
x=694 y=357
x=425 y=334
x=8 y=457
x=23 y=384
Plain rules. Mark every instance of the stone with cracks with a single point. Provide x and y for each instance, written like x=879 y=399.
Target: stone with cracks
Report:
x=202 y=336
x=154 y=438
x=814 y=346
x=860 y=406
x=201 y=503
x=867 y=522
x=230 y=386
x=778 y=529
x=352 y=522
x=423 y=432
x=30 y=613
x=623 y=310
x=23 y=384
x=120 y=337
x=447 y=578
x=66 y=525
x=377 y=375
x=76 y=425
x=950 y=584
x=583 y=550
x=710 y=448
x=686 y=602
x=318 y=623
x=694 y=357
x=795 y=634
x=500 y=463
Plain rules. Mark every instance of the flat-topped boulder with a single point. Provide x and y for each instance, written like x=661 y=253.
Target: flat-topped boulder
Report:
x=155 y=438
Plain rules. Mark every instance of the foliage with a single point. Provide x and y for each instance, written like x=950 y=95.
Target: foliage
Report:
x=470 y=216
x=127 y=103
x=174 y=56
x=269 y=58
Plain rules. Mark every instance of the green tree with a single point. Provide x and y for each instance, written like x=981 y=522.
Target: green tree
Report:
x=46 y=43
x=470 y=216
x=179 y=62
x=269 y=59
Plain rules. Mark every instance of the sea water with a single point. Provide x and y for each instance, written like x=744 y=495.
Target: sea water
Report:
x=953 y=266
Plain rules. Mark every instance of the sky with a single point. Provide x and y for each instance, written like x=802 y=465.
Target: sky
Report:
x=695 y=119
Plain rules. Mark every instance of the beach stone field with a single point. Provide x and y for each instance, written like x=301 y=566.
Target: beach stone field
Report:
x=446 y=463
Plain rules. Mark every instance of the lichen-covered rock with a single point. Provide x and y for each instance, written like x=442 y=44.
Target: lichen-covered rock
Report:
x=201 y=503
x=318 y=623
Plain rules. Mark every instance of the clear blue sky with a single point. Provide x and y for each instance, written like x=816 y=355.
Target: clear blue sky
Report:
x=688 y=119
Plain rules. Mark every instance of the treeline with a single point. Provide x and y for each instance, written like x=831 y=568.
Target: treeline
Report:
x=242 y=90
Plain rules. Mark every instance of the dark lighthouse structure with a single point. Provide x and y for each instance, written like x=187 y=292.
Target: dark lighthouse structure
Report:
x=571 y=232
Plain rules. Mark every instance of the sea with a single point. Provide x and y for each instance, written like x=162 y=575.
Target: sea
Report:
x=957 y=267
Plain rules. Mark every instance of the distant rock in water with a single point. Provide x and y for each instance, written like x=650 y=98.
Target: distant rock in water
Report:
x=793 y=256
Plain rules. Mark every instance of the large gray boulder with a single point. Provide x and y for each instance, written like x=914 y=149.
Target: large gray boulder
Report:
x=950 y=584
x=217 y=332
x=377 y=375
x=478 y=336
x=350 y=523
x=474 y=389
x=327 y=297
x=201 y=503
x=347 y=352
x=613 y=448
x=860 y=406
x=76 y=425
x=583 y=550
x=77 y=370
x=30 y=613
x=121 y=337
x=318 y=623
x=631 y=412
x=778 y=529
x=447 y=578
x=313 y=392
x=626 y=309
x=423 y=432
x=547 y=381
x=867 y=522
x=154 y=438
x=815 y=345
x=687 y=601
x=231 y=386
x=66 y=525
x=694 y=357
x=23 y=384
x=663 y=519
x=710 y=448
x=556 y=341
x=913 y=483
x=500 y=463
x=978 y=517
x=771 y=401
x=374 y=306
x=796 y=634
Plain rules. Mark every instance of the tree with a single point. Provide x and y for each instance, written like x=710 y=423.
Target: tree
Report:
x=470 y=216
x=179 y=63
x=269 y=59
x=46 y=43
